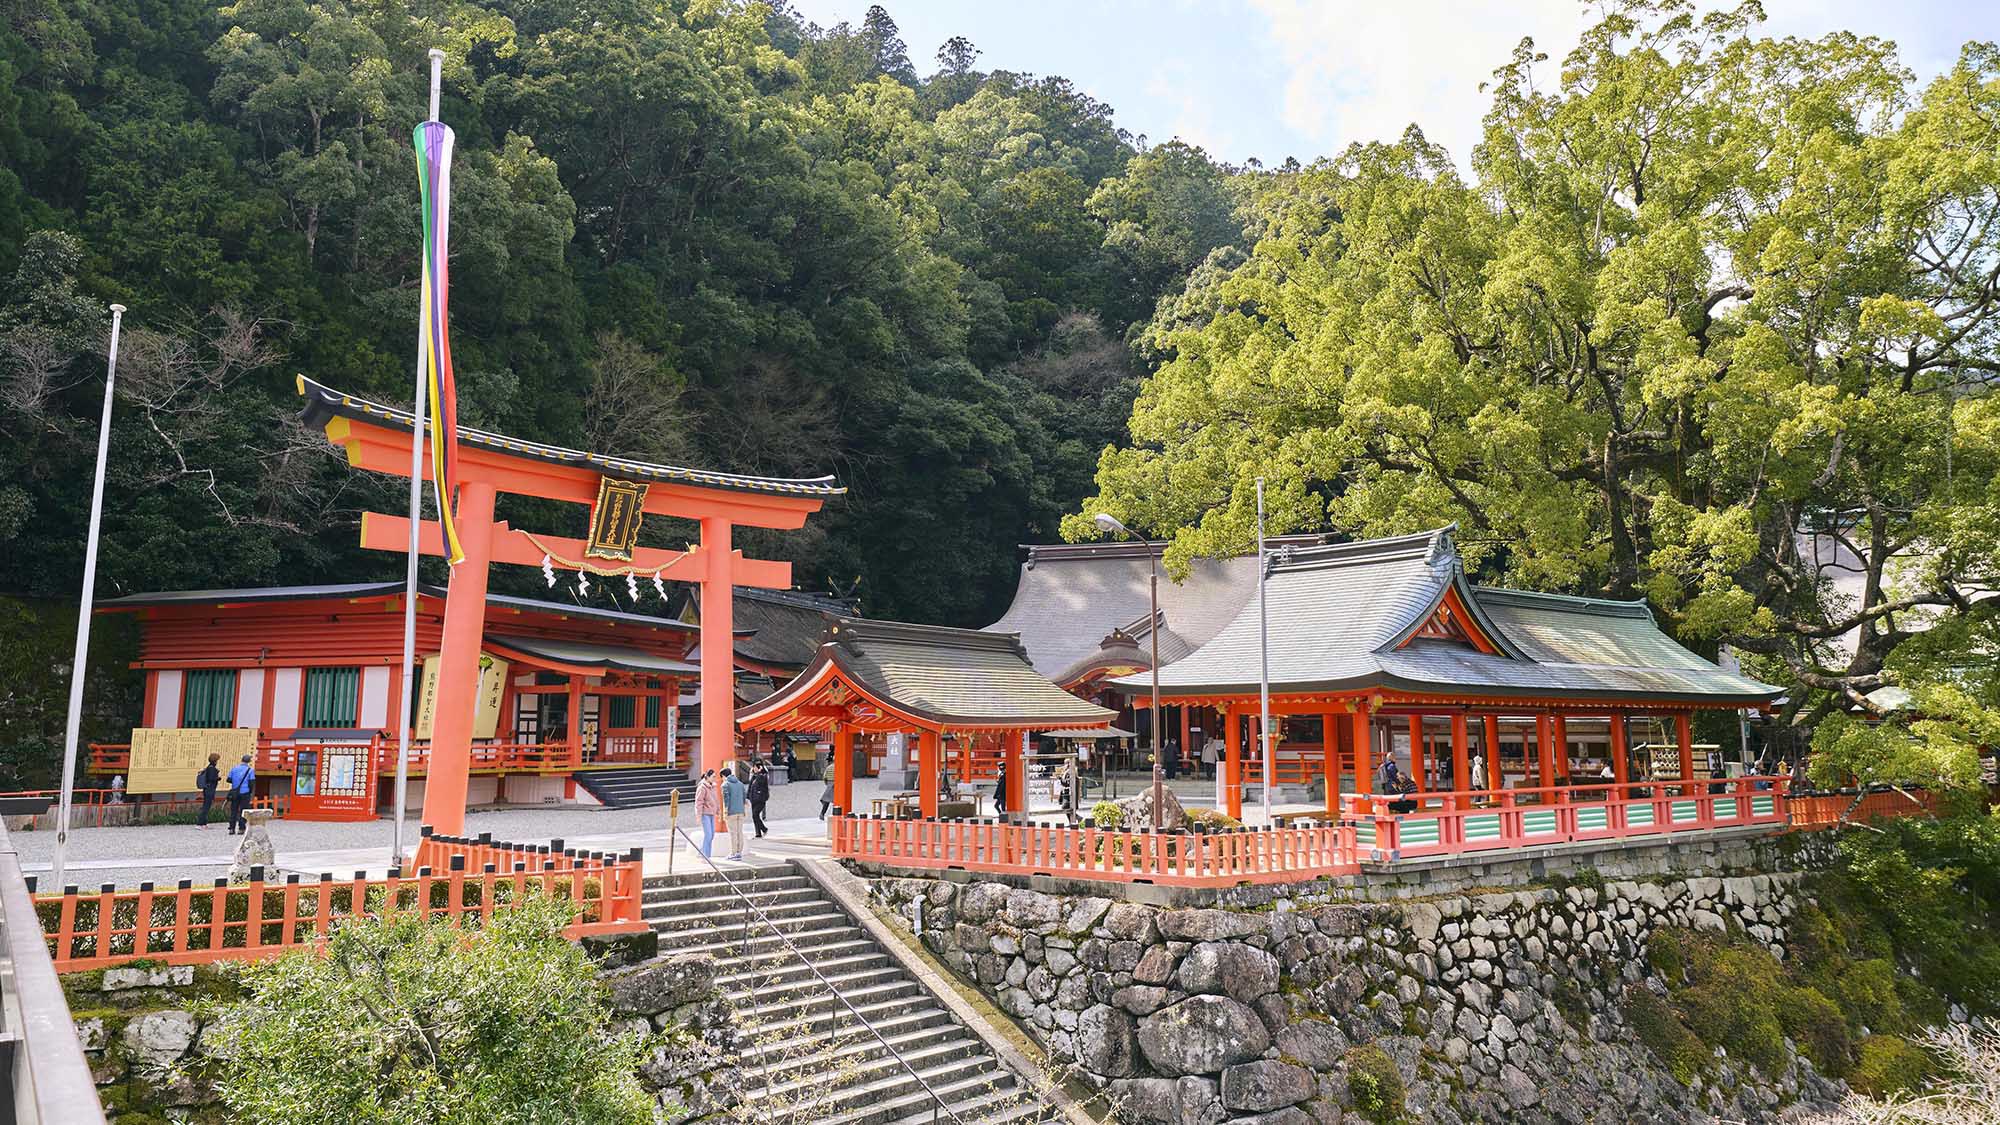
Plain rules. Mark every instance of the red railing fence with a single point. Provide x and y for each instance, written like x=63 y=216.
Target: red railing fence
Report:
x=462 y=880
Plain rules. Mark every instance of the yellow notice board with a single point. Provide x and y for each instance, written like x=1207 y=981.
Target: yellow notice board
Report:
x=492 y=685
x=165 y=759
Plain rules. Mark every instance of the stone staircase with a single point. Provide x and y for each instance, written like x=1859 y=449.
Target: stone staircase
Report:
x=636 y=787
x=805 y=1055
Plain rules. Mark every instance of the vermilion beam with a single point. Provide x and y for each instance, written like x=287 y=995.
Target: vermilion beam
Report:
x=381 y=532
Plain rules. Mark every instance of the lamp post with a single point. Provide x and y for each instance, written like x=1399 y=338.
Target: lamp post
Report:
x=1264 y=654
x=1108 y=522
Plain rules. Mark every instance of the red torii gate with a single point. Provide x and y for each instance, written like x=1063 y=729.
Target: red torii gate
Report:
x=377 y=438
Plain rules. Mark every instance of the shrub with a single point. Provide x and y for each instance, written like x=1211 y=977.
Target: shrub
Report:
x=1107 y=814
x=1867 y=993
x=1889 y=1064
x=1663 y=953
x=1817 y=1025
x=1661 y=1030
x=1213 y=820
x=1375 y=1083
x=408 y=1019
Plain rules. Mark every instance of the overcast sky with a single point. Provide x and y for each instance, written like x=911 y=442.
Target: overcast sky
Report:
x=1276 y=78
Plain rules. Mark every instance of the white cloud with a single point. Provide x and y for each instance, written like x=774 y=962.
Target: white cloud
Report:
x=1189 y=109
x=1364 y=71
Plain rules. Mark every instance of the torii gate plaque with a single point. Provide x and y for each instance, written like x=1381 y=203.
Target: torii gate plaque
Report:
x=377 y=438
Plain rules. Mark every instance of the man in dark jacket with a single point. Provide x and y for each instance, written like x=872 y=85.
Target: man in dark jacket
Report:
x=242 y=784
x=760 y=795
x=207 y=781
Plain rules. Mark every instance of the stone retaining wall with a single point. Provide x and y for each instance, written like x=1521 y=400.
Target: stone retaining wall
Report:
x=1493 y=1006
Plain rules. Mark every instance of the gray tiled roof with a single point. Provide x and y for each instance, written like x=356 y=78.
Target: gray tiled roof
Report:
x=624 y=658
x=1072 y=595
x=954 y=676
x=787 y=626
x=1339 y=615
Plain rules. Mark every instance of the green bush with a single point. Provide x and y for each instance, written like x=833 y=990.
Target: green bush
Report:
x=1210 y=819
x=1375 y=1083
x=1868 y=995
x=1107 y=814
x=1661 y=1030
x=1819 y=1027
x=1663 y=953
x=414 y=1019
x=1889 y=1064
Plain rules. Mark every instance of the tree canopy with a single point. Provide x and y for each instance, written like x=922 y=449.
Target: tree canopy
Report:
x=1711 y=323
x=701 y=232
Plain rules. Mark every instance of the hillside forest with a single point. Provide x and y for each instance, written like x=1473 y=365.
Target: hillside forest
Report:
x=1701 y=303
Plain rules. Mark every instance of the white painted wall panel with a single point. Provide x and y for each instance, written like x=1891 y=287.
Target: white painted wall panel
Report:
x=374 y=698
x=167 y=699
x=250 y=697
x=286 y=684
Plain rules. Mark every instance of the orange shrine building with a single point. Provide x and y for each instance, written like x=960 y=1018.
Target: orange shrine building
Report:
x=581 y=704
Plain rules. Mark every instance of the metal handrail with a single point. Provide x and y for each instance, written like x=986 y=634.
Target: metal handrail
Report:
x=750 y=906
x=48 y=1076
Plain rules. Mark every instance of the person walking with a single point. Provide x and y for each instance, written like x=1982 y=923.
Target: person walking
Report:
x=242 y=783
x=208 y=780
x=760 y=796
x=1211 y=751
x=826 y=795
x=735 y=796
x=707 y=806
x=1477 y=769
x=1000 y=790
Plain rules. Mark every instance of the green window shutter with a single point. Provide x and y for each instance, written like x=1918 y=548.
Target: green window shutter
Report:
x=332 y=697
x=208 y=697
x=652 y=711
x=622 y=713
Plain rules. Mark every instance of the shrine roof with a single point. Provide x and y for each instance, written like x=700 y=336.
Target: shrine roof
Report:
x=323 y=403
x=594 y=655
x=350 y=591
x=1071 y=596
x=961 y=678
x=1347 y=617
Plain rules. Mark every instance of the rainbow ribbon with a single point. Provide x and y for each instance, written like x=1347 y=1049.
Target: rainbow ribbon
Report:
x=434 y=141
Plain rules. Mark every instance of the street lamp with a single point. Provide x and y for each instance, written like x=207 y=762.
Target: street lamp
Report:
x=1107 y=522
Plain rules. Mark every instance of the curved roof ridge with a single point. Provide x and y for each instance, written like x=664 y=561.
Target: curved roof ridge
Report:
x=858 y=631
x=1431 y=546
x=1637 y=607
x=323 y=402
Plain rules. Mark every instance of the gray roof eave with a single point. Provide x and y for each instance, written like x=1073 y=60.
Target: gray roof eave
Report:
x=1379 y=679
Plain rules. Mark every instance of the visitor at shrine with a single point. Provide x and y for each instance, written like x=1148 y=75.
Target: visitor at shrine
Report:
x=826 y=795
x=707 y=806
x=760 y=796
x=1000 y=790
x=242 y=782
x=207 y=781
x=1172 y=753
x=735 y=798
x=1477 y=768
x=1210 y=752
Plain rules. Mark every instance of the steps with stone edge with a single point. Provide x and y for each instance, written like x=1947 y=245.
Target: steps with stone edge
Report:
x=805 y=1049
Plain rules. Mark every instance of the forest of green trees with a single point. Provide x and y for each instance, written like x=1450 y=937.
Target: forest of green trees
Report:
x=1703 y=309
x=695 y=232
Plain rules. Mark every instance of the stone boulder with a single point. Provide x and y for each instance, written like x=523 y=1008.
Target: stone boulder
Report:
x=255 y=850
x=1265 y=1085
x=1201 y=1035
x=658 y=986
x=1106 y=1044
x=1228 y=968
x=1211 y=925
x=1139 y=810
x=1316 y=1043
x=1033 y=910
x=159 y=1039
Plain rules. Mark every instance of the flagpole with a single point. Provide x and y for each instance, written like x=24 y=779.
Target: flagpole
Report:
x=410 y=673
x=1263 y=656
x=76 y=664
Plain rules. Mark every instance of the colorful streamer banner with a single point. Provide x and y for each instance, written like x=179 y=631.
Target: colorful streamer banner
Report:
x=434 y=141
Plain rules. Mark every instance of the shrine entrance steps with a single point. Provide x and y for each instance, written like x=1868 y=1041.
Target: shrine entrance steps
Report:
x=804 y=1054
x=635 y=787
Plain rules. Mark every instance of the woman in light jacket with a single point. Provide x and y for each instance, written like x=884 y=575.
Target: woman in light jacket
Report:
x=707 y=806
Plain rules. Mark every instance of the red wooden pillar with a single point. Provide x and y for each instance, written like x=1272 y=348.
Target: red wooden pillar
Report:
x=1364 y=769
x=576 y=719
x=458 y=664
x=843 y=768
x=1232 y=769
x=927 y=772
x=1461 y=766
x=1017 y=773
x=1545 y=751
x=1684 y=735
x=718 y=644
x=1330 y=747
x=1621 y=758
x=1496 y=777
x=1417 y=751
x=1559 y=735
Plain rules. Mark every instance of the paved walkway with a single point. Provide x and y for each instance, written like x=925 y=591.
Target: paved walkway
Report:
x=166 y=853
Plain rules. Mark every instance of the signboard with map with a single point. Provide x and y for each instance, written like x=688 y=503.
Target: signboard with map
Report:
x=165 y=759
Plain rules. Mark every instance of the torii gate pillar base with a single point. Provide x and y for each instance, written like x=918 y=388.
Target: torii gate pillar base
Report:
x=458 y=664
